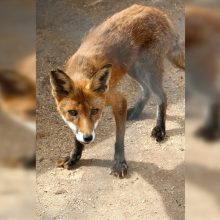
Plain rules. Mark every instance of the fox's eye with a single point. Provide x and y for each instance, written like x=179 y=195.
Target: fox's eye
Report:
x=73 y=112
x=94 y=111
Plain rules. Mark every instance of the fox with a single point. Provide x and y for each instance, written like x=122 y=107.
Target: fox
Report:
x=18 y=100
x=134 y=41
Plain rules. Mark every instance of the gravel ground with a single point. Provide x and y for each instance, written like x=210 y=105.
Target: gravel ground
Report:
x=154 y=188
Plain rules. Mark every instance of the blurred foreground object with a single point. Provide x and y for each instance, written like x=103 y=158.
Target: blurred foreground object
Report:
x=17 y=194
x=18 y=101
x=202 y=190
x=17 y=82
x=18 y=92
x=17 y=109
x=203 y=67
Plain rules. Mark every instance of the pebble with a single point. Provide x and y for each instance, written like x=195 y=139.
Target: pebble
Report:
x=60 y=191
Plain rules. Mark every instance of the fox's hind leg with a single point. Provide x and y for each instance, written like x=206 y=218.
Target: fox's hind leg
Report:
x=140 y=76
x=155 y=84
x=148 y=72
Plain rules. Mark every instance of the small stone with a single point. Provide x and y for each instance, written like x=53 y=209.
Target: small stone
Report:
x=60 y=191
x=41 y=159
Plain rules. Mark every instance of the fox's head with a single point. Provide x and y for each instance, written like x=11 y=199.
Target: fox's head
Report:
x=17 y=97
x=81 y=101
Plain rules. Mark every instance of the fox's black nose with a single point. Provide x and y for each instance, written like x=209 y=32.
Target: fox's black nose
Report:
x=87 y=137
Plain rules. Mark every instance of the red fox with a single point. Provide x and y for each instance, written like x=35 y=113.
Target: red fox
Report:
x=134 y=41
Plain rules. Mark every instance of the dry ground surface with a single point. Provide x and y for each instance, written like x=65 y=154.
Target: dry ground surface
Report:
x=154 y=188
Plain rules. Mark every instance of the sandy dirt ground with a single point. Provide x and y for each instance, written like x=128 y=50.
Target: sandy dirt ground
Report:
x=154 y=188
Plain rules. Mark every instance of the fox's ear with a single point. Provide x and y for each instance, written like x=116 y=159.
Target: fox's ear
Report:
x=61 y=83
x=100 y=81
x=14 y=84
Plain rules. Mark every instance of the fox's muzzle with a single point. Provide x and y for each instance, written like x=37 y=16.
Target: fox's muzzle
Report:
x=85 y=138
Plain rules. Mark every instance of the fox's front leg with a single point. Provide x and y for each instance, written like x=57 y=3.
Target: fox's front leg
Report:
x=119 y=107
x=74 y=157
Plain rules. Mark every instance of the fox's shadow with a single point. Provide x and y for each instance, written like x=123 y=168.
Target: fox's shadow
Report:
x=170 y=184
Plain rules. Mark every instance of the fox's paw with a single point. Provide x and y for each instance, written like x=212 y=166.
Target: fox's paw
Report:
x=158 y=133
x=119 y=169
x=67 y=162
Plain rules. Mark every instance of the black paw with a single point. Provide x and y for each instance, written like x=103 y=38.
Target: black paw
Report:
x=208 y=133
x=67 y=162
x=119 y=169
x=158 y=133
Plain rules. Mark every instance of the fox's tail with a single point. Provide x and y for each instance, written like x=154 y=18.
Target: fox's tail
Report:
x=176 y=53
